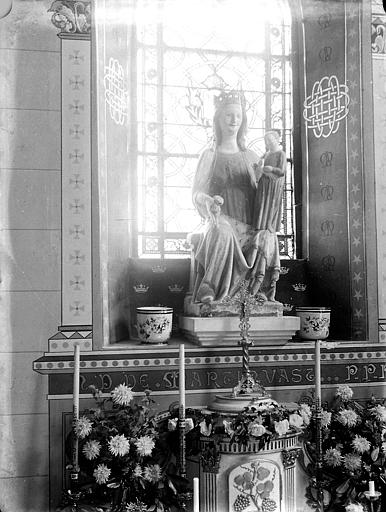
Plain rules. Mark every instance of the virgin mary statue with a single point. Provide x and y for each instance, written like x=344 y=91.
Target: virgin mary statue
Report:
x=238 y=196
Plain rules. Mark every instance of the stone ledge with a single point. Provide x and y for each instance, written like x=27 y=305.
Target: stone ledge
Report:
x=220 y=331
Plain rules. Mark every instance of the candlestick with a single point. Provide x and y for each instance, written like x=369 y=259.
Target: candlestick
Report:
x=182 y=379
x=75 y=406
x=371 y=487
x=196 y=495
x=181 y=422
x=318 y=389
x=318 y=421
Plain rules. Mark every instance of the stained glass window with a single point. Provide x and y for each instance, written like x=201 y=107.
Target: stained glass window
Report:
x=184 y=53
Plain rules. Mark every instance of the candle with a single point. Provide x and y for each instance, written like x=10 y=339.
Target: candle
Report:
x=75 y=403
x=371 y=488
x=182 y=379
x=318 y=390
x=196 y=495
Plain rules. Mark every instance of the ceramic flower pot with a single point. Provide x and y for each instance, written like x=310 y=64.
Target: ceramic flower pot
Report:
x=154 y=323
x=314 y=322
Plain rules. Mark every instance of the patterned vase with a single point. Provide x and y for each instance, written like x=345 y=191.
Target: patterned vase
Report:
x=154 y=323
x=314 y=322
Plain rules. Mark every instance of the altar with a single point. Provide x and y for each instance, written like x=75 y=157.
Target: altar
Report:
x=242 y=478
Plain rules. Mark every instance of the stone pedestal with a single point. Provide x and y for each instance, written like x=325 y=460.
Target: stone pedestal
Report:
x=234 y=478
x=225 y=331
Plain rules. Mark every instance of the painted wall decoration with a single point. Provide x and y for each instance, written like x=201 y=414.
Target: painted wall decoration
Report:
x=76 y=182
x=333 y=115
x=116 y=95
x=71 y=17
x=355 y=177
x=327 y=105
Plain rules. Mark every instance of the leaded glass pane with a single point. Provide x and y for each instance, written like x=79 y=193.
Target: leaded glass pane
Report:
x=186 y=52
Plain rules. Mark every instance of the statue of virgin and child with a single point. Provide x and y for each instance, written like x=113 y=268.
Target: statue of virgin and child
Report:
x=238 y=195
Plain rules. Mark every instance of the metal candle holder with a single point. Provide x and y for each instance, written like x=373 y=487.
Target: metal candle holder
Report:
x=245 y=300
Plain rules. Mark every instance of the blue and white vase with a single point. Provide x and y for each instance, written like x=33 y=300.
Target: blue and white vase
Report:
x=154 y=323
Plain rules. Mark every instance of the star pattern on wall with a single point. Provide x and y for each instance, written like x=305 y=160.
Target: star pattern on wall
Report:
x=355 y=177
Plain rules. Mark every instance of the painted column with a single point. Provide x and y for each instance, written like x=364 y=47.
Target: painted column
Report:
x=76 y=322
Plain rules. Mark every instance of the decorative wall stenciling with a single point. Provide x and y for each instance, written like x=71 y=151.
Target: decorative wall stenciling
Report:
x=327 y=192
x=326 y=159
x=355 y=176
x=71 y=17
x=116 y=95
x=76 y=180
x=326 y=106
x=324 y=21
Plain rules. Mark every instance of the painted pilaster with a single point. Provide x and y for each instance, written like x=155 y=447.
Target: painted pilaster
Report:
x=73 y=20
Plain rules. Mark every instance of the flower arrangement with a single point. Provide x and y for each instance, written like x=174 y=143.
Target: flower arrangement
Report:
x=354 y=449
x=253 y=424
x=124 y=464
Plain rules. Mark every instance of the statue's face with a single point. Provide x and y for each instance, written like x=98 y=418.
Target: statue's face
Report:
x=230 y=119
x=270 y=141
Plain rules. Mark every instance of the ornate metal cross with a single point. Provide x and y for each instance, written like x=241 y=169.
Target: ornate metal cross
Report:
x=244 y=299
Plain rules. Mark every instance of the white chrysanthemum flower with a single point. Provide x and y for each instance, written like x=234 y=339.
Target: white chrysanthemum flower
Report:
x=352 y=462
x=122 y=395
x=379 y=412
x=354 y=507
x=137 y=473
x=348 y=417
x=325 y=419
x=102 y=473
x=145 y=445
x=345 y=392
x=83 y=427
x=361 y=444
x=91 y=449
x=152 y=473
x=119 y=445
x=333 y=457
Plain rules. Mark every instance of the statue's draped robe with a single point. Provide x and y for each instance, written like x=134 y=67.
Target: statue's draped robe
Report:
x=240 y=245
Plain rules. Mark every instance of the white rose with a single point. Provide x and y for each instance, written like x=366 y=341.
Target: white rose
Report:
x=281 y=427
x=256 y=429
x=296 y=420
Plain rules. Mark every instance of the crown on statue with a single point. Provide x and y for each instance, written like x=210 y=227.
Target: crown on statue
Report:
x=229 y=98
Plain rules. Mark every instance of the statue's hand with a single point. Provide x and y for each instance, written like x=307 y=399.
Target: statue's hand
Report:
x=213 y=205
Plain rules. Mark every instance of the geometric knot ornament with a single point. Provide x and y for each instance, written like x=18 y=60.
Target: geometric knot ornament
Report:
x=326 y=106
x=115 y=91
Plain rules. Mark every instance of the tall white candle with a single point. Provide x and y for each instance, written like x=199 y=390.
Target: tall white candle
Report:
x=371 y=487
x=75 y=403
x=318 y=389
x=196 y=495
x=182 y=378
